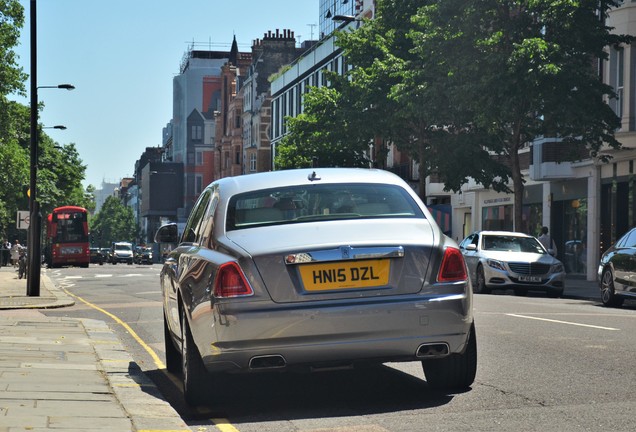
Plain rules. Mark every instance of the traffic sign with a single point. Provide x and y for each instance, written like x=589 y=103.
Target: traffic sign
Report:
x=24 y=220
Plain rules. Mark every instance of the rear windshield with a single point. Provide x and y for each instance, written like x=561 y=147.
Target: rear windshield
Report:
x=325 y=202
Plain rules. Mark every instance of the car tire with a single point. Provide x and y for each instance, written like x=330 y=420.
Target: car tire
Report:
x=456 y=371
x=608 y=290
x=173 y=356
x=480 y=282
x=192 y=368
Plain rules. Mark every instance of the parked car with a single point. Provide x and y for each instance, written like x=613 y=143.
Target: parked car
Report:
x=143 y=255
x=121 y=252
x=314 y=269
x=105 y=254
x=511 y=260
x=96 y=256
x=617 y=272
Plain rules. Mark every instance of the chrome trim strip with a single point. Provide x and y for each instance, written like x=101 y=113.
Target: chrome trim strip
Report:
x=344 y=253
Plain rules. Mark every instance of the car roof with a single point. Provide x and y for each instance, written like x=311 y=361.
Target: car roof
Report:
x=273 y=179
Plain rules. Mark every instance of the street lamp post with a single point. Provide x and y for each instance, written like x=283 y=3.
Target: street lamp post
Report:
x=35 y=225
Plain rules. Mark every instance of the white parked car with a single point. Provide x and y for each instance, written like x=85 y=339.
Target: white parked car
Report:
x=511 y=260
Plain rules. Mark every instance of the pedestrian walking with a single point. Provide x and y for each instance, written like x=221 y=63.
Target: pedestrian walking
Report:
x=547 y=241
x=15 y=253
x=5 y=246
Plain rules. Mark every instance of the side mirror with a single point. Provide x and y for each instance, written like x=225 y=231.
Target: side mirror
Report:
x=551 y=252
x=167 y=234
x=471 y=247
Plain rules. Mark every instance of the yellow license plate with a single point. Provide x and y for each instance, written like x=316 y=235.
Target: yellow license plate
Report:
x=345 y=275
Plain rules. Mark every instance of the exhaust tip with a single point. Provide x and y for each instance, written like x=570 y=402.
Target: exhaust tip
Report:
x=432 y=350
x=267 y=362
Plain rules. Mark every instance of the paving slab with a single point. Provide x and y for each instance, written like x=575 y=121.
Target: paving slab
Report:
x=66 y=374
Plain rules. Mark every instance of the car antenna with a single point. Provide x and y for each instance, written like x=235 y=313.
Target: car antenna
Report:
x=313 y=176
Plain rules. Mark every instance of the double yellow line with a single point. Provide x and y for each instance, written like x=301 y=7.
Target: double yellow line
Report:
x=222 y=424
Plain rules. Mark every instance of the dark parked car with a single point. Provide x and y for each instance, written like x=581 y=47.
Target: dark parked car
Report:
x=511 y=260
x=143 y=255
x=617 y=271
x=96 y=256
x=315 y=270
x=105 y=254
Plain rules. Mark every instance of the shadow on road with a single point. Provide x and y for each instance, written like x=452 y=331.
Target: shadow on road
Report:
x=291 y=395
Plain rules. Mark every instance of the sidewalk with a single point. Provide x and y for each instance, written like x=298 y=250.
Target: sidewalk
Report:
x=69 y=374
x=579 y=288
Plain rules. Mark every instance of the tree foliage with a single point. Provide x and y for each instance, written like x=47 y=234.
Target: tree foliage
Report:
x=456 y=82
x=524 y=70
x=60 y=169
x=59 y=175
x=320 y=135
x=11 y=21
x=114 y=222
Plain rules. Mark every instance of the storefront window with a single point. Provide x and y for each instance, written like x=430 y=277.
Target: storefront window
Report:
x=532 y=218
x=575 y=230
x=497 y=218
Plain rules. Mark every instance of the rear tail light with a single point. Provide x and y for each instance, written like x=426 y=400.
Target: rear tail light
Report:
x=453 y=268
x=230 y=282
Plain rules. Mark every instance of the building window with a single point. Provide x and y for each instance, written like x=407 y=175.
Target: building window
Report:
x=199 y=157
x=275 y=105
x=253 y=162
x=616 y=79
x=197 y=132
x=299 y=100
x=198 y=184
x=497 y=218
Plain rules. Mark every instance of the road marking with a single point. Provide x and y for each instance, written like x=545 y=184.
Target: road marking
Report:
x=103 y=275
x=129 y=329
x=563 y=322
x=223 y=425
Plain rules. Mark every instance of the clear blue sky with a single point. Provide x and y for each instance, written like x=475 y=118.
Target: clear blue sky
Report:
x=121 y=56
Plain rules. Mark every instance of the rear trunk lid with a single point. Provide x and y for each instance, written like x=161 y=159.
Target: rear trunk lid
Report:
x=340 y=259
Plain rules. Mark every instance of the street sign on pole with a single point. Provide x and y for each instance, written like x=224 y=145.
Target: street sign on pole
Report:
x=24 y=220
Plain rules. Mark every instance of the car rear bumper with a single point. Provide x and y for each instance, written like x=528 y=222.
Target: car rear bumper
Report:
x=121 y=259
x=345 y=334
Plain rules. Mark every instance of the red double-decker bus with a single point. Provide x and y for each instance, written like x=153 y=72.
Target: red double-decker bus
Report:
x=67 y=237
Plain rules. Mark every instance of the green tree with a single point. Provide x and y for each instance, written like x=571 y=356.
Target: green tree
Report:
x=319 y=135
x=115 y=222
x=11 y=21
x=523 y=70
x=60 y=176
x=462 y=85
x=381 y=97
x=14 y=167
x=13 y=159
